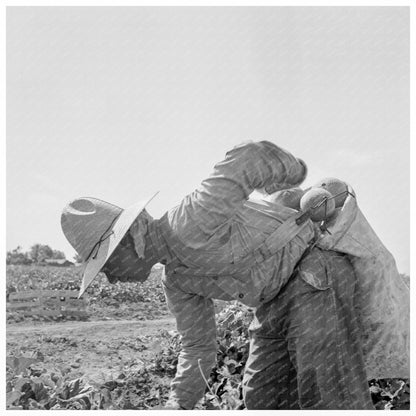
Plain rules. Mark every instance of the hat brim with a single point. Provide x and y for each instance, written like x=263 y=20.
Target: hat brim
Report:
x=107 y=247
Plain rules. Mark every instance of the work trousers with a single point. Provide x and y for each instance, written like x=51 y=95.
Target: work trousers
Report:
x=305 y=348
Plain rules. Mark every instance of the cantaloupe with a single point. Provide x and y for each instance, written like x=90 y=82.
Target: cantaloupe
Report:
x=336 y=188
x=319 y=203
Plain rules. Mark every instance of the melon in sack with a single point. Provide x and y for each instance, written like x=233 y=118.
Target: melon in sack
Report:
x=383 y=298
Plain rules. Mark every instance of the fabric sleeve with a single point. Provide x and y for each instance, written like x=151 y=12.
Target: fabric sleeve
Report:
x=245 y=168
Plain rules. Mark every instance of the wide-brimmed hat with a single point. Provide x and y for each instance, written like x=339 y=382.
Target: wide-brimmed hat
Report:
x=94 y=228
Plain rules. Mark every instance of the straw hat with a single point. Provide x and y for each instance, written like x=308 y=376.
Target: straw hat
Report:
x=94 y=228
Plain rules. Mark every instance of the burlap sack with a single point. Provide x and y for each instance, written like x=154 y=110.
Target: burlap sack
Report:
x=383 y=298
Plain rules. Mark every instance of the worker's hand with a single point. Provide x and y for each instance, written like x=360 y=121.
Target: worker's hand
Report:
x=295 y=180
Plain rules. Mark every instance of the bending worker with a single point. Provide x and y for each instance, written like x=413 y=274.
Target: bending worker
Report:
x=218 y=244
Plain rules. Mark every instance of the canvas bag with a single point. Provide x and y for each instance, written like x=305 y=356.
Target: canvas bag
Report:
x=383 y=298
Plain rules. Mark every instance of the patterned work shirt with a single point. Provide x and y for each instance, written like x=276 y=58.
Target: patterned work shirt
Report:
x=208 y=243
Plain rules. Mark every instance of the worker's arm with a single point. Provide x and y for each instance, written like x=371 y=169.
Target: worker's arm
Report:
x=247 y=167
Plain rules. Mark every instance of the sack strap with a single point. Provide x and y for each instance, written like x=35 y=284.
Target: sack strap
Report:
x=281 y=237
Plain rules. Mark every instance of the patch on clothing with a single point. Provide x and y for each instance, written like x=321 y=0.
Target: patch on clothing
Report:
x=319 y=283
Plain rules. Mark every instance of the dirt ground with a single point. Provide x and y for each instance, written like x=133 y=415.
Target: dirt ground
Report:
x=97 y=350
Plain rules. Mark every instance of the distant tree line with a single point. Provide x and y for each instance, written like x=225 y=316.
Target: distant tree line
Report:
x=39 y=252
x=36 y=254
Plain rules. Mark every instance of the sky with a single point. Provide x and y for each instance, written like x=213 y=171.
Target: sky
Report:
x=120 y=102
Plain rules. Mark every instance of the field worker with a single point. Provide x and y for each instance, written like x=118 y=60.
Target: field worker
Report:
x=218 y=244
x=345 y=303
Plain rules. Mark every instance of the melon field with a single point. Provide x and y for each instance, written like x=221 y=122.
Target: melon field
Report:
x=123 y=355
